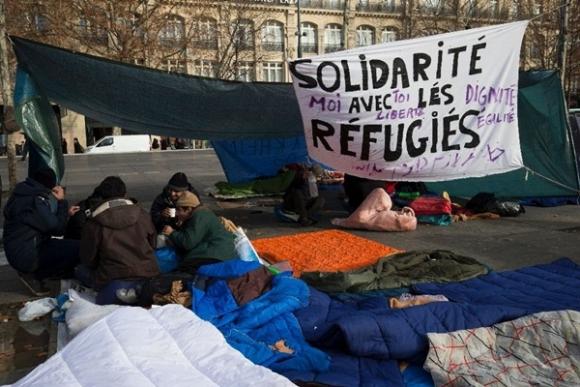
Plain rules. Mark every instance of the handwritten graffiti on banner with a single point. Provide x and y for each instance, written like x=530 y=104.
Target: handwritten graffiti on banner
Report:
x=436 y=108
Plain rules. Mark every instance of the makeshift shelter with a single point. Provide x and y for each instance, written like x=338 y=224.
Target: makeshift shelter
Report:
x=256 y=127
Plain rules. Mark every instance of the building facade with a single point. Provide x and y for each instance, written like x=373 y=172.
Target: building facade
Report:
x=253 y=40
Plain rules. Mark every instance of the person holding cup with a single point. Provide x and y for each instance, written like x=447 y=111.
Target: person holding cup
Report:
x=163 y=207
x=200 y=236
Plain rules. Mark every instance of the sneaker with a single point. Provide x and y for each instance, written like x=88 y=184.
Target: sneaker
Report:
x=34 y=285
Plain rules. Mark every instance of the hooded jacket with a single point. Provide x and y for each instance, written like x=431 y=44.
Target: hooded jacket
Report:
x=31 y=216
x=163 y=201
x=118 y=242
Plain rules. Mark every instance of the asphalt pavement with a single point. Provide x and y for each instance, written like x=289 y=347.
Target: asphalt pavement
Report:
x=538 y=236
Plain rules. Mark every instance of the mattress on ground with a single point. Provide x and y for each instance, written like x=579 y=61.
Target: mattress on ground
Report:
x=165 y=346
x=327 y=251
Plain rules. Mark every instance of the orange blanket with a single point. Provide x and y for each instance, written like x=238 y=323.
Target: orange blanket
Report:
x=329 y=250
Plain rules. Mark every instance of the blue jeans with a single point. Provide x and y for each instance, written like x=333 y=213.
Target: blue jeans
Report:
x=57 y=258
x=108 y=293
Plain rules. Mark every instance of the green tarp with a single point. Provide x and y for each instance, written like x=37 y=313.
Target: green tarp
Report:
x=546 y=144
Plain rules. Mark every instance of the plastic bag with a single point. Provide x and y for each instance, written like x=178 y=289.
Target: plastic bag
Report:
x=82 y=313
x=166 y=259
x=244 y=248
x=37 y=308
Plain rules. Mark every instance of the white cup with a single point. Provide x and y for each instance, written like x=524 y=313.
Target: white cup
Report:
x=172 y=212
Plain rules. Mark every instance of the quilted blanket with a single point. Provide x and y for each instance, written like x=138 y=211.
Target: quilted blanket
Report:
x=166 y=346
x=541 y=350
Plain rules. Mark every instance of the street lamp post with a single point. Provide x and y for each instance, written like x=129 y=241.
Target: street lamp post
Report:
x=298 y=29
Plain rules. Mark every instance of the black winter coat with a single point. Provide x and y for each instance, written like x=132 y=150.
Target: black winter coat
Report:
x=163 y=201
x=31 y=216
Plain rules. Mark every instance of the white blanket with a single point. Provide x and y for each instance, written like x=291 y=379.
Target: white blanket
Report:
x=165 y=346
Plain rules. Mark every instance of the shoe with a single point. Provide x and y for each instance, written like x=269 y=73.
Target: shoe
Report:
x=35 y=286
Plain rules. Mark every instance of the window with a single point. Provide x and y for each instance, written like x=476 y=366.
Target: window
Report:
x=205 y=68
x=273 y=72
x=273 y=36
x=389 y=34
x=493 y=8
x=365 y=36
x=245 y=72
x=40 y=23
x=92 y=32
x=205 y=33
x=243 y=35
x=332 y=38
x=309 y=38
x=106 y=142
x=174 y=66
x=389 y=5
x=333 y=4
x=173 y=32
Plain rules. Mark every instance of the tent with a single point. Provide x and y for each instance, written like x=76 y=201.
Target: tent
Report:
x=256 y=127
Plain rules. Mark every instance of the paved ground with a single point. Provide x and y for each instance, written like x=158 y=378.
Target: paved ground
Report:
x=540 y=235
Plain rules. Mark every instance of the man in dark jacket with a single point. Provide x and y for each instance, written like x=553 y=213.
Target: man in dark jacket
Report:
x=35 y=212
x=117 y=244
x=163 y=207
x=302 y=197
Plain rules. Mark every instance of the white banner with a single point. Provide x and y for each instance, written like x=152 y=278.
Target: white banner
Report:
x=437 y=108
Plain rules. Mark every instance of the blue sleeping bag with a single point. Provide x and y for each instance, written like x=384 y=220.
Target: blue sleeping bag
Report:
x=366 y=329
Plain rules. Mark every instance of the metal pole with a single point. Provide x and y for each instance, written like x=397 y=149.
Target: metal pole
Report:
x=562 y=42
x=298 y=29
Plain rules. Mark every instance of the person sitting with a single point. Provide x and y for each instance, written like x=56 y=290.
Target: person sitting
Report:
x=162 y=209
x=76 y=223
x=201 y=237
x=302 y=197
x=117 y=248
x=36 y=211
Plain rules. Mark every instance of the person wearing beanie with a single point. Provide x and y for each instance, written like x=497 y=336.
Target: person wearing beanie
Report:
x=201 y=236
x=35 y=212
x=162 y=208
x=117 y=244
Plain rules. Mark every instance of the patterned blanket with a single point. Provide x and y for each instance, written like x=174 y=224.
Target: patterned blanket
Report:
x=542 y=349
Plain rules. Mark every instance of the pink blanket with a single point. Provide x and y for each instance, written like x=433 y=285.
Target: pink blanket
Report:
x=375 y=214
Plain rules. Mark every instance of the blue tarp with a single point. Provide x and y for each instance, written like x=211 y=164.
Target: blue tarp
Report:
x=244 y=160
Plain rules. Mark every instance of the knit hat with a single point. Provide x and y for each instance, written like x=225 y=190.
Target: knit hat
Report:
x=46 y=177
x=188 y=199
x=178 y=182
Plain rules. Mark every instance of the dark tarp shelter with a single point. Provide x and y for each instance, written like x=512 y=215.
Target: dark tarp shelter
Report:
x=150 y=101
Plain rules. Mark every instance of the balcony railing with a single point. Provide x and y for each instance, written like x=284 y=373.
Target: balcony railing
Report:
x=379 y=7
x=206 y=44
x=324 y=4
x=310 y=47
x=332 y=48
x=273 y=46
